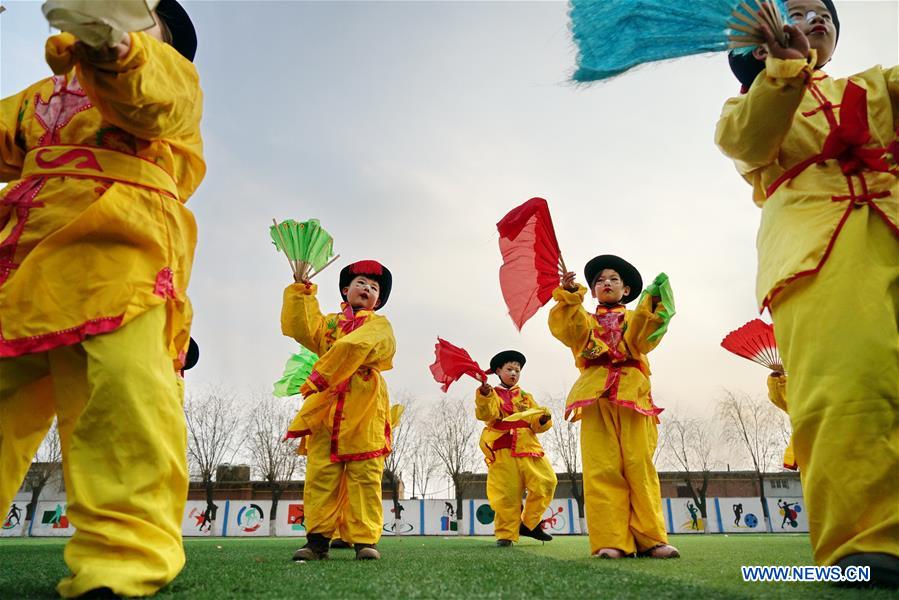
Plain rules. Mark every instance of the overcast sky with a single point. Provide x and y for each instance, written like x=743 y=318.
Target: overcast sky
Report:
x=410 y=128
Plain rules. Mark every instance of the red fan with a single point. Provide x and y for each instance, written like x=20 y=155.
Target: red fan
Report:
x=532 y=262
x=452 y=362
x=755 y=341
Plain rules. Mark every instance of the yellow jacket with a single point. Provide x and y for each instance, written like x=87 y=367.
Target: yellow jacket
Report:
x=93 y=230
x=609 y=349
x=510 y=411
x=345 y=394
x=786 y=136
x=777 y=394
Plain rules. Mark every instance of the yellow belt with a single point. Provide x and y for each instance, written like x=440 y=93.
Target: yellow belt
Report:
x=97 y=163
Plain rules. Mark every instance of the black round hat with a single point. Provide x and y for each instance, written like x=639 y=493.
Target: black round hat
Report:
x=746 y=67
x=629 y=273
x=506 y=356
x=184 y=36
x=193 y=355
x=371 y=269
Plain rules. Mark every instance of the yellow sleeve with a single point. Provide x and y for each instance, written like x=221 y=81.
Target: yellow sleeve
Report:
x=12 y=151
x=642 y=323
x=152 y=92
x=372 y=345
x=569 y=322
x=486 y=408
x=777 y=391
x=301 y=317
x=753 y=126
x=534 y=421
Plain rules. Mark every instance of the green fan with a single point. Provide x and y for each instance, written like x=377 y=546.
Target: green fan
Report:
x=296 y=372
x=661 y=288
x=306 y=244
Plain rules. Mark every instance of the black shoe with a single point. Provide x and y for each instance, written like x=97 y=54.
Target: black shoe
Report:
x=366 y=552
x=884 y=569
x=503 y=543
x=316 y=548
x=536 y=533
x=103 y=593
x=340 y=544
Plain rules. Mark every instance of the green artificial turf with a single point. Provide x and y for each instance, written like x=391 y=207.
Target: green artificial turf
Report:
x=466 y=567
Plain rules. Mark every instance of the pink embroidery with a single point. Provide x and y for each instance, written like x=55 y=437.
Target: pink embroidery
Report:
x=22 y=199
x=65 y=102
x=610 y=331
x=88 y=160
x=165 y=286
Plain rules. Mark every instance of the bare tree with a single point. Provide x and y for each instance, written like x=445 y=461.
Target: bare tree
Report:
x=400 y=455
x=752 y=424
x=274 y=459
x=453 y=438
x=565 y=448
x=46 y=465
x=424 y=463
x=212 y=438
x=689 y=448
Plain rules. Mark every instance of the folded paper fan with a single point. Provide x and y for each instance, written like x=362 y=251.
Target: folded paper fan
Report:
x=296 y=372
x=451 y=363
x=613 y=36
x=532 y=262
x=754 y=341
x=306 y=244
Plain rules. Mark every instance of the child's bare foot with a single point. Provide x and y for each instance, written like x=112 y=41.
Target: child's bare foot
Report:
x=608 y=553
x=662 y=551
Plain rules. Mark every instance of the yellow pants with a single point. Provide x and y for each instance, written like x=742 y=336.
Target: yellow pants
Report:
x=361 y=520
x=622 y=496
x=837 y=334
x=122 y=432
x=507 y=479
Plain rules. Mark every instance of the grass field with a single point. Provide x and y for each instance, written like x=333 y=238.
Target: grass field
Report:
x=431 y=567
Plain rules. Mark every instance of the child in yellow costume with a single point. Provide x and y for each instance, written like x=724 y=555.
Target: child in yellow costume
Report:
x=341 y=537
x=514 y=456
x=612 y=399
x=96 y=248
x=345 y=416
x=815 y=150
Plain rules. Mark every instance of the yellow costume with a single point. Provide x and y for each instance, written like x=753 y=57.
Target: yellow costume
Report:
x=619 y=433
x=346 y=417
x=814 y=149
x=515 y=460
x=95 y=239
x=777 y=394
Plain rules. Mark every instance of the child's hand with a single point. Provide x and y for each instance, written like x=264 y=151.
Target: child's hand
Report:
x=103 y=55
x=777 y=370
x=798 y=43
x=568 y=281
x=485 y=389
x=298 y=278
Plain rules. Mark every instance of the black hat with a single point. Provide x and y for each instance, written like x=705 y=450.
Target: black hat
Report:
x=371 y=269
x=506 y=356
x=184 y=36
x=629 y=273
x=746 y=67
x=193 y=355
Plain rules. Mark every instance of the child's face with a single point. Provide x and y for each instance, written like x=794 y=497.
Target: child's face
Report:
x=158 y=30
x=362 y=293
x=609 y=288
x=813 y=19
x=509 y=373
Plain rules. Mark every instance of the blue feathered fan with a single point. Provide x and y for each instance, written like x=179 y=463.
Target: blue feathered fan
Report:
x=613 y=36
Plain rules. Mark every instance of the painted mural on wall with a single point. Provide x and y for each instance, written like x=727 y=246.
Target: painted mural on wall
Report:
x=742 y=515
x=50 y=520
x=788 y=515
x=686 y=517
x=14 y=520
x=409 y=520
x=201 y=519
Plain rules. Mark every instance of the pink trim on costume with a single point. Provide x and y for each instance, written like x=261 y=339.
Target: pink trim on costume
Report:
x=515 y=445
x=165 y=286
x=291 y=434
x=509 y=425
x=54 y=116
x=341 y=391
x=22 y=197
x=67 y=337
x=318 y=381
